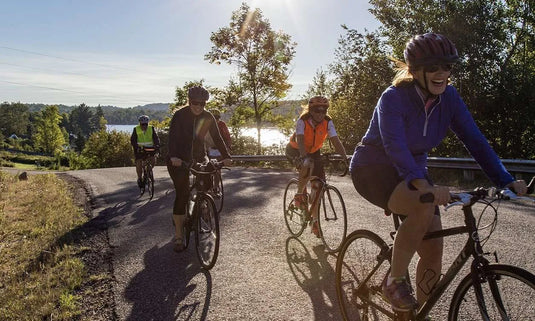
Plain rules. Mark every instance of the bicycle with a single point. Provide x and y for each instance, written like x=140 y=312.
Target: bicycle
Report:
x=332 y=216
x=147 y=176
x=484 y=293
x=201 y=216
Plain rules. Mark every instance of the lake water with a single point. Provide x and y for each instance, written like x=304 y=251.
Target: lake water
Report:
x=269 y=136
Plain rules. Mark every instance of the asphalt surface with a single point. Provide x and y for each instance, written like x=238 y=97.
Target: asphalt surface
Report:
x=261 y=272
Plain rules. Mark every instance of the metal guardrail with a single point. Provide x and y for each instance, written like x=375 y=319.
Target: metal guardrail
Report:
x=512 y=165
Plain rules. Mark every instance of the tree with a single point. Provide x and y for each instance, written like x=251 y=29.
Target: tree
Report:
x=48 y=136
x=14 y=119
x=98 y=122
x=108 y=149
x=496 y=75
x=361 y=71
x=262 y=57
x=80 y=121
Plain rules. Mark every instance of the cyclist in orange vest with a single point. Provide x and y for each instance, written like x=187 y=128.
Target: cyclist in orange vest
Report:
x=311 y=130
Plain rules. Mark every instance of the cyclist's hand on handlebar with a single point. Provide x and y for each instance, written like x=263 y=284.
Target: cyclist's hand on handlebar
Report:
x=227 y=162
x=519 y=187
x=175 y=161
x=441 y=193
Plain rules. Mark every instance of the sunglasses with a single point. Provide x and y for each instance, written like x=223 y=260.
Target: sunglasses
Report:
x=435 y=68
x=198 y=103
x=320 y=110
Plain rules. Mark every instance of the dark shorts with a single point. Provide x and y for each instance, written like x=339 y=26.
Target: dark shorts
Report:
x=292 y=155
x=377 y=182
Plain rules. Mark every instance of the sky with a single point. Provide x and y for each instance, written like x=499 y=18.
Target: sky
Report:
x=128 y=53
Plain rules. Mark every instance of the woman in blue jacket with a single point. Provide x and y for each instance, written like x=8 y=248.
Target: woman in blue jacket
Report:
x=388 y=167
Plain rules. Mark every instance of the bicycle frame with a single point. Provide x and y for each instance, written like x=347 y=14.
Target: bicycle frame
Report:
x=472 y=248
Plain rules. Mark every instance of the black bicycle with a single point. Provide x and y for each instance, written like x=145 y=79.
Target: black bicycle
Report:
x=490 y=291
x=147 y=176
x=332 y=216
x=201 y=215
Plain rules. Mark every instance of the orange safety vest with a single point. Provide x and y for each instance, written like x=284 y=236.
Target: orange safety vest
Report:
x=314 y=136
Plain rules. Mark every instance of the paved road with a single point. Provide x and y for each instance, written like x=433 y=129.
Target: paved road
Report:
x=261 y=273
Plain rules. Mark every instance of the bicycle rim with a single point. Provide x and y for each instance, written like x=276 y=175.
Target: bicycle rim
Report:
x=295 y=218
x=332 y=219
x=508 y=294
x=207 y=231
x=360 y=269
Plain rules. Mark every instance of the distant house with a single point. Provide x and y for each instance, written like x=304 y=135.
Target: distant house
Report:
x=13 y=136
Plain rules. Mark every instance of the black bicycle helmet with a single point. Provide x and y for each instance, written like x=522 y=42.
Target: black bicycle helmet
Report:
x=430 y=49
x=198 y=93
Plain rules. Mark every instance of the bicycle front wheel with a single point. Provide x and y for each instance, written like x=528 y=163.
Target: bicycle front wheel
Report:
x=362 y=264
x=217 y=192
x=207 y=230
x=332 y=219
x=294 y=216
x=508 y=293
x=150 y=182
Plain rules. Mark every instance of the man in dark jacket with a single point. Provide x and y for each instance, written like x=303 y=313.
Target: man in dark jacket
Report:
x=187 y=132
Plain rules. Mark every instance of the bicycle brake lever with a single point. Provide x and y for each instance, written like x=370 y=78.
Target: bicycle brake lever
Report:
x=463 y=199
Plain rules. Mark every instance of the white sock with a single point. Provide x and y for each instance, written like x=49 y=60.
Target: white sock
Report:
x=391 y=279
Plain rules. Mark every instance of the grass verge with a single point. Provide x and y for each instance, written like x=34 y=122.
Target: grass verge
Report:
x=39 y=270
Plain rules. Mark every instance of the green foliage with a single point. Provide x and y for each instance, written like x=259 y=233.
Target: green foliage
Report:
x=14 y=119
x=496 y=75
x=262 y=57
x=48 y=136
x=361 y=72
x=108 y=149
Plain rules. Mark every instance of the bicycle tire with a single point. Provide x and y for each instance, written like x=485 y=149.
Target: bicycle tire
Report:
x=218 y=193
x=207 y=235
x=517 y=298
x=294 y=217
x=143 y=180
x=361 y=267
x=332 y=219
x=150 y=182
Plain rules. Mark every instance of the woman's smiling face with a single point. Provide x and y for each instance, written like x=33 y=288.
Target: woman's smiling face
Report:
x=436 y=78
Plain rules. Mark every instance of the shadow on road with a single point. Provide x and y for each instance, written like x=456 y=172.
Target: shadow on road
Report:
x=171 y=287
x=315 y=276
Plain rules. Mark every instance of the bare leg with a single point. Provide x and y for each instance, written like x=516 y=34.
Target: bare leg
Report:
x=411 y=231
x=429 y=265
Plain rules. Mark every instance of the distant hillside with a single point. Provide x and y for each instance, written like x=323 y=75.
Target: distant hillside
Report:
x=118 y=115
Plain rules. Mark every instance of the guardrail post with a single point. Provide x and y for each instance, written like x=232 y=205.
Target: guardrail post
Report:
x=468 y=175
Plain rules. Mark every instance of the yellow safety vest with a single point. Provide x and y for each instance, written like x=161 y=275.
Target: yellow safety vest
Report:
x=144 y=138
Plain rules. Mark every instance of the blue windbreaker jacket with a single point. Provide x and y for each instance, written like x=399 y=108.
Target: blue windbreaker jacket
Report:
x=401 y=134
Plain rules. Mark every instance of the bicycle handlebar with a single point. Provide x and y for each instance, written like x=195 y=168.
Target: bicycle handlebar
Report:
x=468 y=198
x=200 y=168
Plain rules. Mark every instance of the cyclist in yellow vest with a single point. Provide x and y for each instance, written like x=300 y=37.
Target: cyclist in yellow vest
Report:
x=143 y=135
x=311 y=130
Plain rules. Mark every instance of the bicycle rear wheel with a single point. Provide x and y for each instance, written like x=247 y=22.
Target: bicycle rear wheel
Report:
x=362 y=264
x=332 y=219
x=294 y=217
x=207 y=230
x=508 y=294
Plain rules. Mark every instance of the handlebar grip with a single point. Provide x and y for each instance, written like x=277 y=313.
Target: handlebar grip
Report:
x=427 y=198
